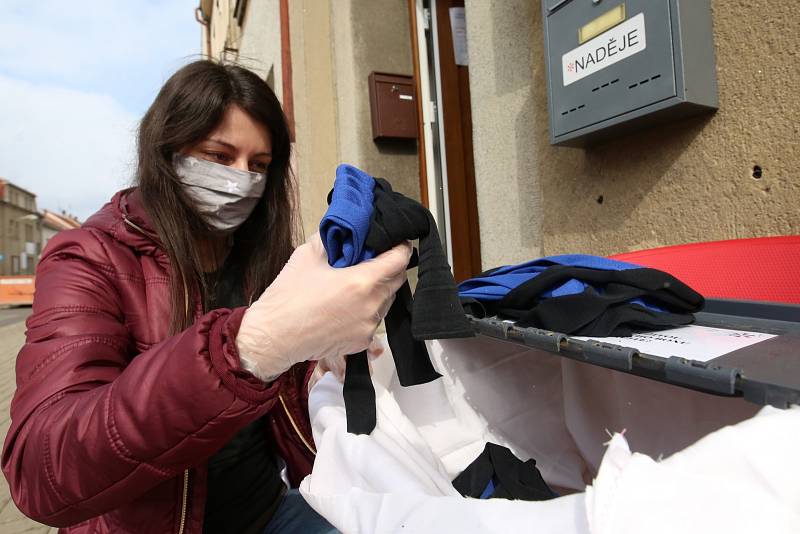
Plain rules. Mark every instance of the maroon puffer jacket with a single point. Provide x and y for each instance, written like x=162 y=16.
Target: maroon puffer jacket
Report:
x=113 y=420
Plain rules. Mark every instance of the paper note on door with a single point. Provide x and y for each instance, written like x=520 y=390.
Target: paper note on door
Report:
x=608 y=48
x=458 y=26
x=701 y=343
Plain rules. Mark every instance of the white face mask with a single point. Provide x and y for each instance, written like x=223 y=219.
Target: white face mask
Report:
x=223 y=196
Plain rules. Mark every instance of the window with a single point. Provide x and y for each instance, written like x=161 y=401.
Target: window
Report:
x=30 y=268
x=12 y=228
x=29 y=233
x=239 y=10
x=14 y=264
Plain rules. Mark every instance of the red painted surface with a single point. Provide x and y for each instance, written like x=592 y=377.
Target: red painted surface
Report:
x=766 y=269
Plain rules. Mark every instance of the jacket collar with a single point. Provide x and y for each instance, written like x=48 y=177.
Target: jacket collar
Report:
x=126 y=220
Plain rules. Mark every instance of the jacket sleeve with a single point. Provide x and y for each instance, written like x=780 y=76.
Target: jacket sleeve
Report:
x=93 y=423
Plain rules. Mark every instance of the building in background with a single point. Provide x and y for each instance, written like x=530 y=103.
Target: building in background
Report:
x=52 y=223
x=483 y=162
x=20 y=234
x=310 y=53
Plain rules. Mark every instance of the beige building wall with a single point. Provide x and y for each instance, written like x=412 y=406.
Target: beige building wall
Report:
x=335 y=44
x=218 y=27
x=316 y=151
x=372 y=35
x=260 y=49
x=504 y=119
x=685 y=182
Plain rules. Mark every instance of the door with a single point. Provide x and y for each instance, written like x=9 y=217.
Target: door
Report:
x=447 y=172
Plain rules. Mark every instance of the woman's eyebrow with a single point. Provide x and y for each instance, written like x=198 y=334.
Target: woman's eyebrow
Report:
x=223 y=143
x=232 y=147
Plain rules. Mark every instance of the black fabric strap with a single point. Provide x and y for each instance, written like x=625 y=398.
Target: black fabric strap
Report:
x=359 y=395
x=434 y=312
x=410 y=355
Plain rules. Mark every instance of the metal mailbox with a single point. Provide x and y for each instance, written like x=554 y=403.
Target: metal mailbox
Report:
x=618 y=65
x=393 y=106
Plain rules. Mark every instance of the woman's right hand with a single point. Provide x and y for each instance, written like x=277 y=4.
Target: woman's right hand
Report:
x=314 y=311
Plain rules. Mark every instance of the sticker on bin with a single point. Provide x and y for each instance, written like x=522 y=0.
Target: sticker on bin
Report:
x=616 y=44
x=701 y=343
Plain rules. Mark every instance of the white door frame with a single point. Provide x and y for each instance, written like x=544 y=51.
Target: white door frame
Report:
x=432 y=123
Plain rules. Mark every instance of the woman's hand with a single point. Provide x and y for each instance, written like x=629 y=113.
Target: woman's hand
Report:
x=313 y=311
x=337 y=364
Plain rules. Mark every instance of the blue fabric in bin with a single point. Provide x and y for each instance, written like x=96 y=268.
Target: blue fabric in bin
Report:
x=497 y=283
x=582 y=295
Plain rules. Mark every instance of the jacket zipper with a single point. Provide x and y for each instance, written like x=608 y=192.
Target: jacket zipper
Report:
x=296 y=428
x=184 y=501
x=132 y=225
x=185 y=496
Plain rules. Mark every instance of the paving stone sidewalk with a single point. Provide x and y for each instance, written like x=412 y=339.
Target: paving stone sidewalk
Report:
x=12 y=521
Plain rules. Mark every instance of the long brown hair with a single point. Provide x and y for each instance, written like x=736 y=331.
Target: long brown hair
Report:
x=188 y=108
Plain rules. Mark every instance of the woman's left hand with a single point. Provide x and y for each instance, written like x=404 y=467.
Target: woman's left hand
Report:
x=338 y=364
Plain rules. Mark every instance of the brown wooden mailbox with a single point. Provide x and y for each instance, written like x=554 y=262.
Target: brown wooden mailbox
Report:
x=393 y=105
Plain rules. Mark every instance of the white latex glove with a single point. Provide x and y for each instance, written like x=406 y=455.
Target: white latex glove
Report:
x=314 y=311
x=338 y=364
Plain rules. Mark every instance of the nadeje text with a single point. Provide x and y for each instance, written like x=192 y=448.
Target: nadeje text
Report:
x=609 y=50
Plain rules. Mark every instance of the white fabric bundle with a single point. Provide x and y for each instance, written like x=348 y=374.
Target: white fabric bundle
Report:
x=398 y=478
x=741 y=479
x=391 y=481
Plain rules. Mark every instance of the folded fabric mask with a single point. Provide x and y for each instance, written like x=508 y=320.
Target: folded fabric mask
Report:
x=223 y=196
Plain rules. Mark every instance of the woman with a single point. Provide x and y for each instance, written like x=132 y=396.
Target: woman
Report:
x=150 y=396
